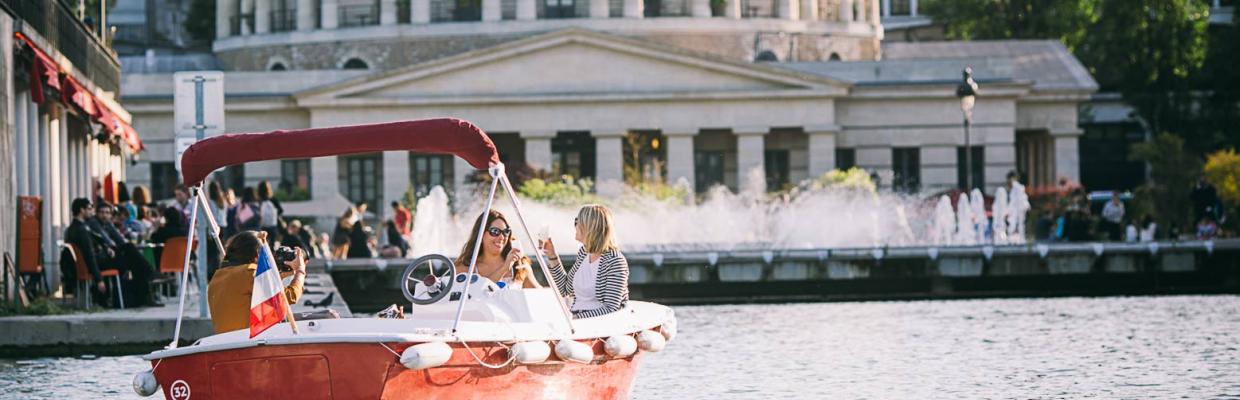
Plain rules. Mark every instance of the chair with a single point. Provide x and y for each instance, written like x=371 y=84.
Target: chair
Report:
x=84 y=278
x=172 y=260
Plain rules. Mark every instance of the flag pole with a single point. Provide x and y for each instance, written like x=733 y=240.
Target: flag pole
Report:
x=288 y=308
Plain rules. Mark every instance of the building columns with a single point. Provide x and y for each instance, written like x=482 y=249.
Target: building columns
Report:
x=21 y=103
x=751 y=158
x=634 y=9
x=387 y=12
x=680 y=156
x=247 y=16
x=599 y=9
x=609 y=154
x=821 y=149
x=846 y=11
x=328 y=14
x=223 y=17
x=538 y=149
x=460 y=171
x=733 y=9
x=305 y=15
x=396 y=180
x=491 y=11
x=527 y=10
x=420 y=11
x=700 y=9
x=1067 y=154
x=809 y=10
x=788 y=9
x=262 y=16
x=326 y=182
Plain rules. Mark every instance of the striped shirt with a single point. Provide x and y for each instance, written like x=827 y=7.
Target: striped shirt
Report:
x=611 y=286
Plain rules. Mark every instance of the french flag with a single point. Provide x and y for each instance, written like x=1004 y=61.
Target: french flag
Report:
x=267 y=304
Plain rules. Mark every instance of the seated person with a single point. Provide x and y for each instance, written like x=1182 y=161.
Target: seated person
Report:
x=497 y=259
x=228 y=294
x=117 y=252
x=598 y=281
x=173 y=227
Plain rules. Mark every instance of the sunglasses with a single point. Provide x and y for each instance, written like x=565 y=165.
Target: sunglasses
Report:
x=493 y=231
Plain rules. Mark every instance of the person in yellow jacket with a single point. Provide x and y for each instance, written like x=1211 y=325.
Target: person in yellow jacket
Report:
x=228 y=293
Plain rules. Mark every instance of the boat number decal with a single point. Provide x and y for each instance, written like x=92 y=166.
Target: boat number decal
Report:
x=179 y=390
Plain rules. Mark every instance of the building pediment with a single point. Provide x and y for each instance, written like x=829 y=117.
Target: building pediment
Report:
x=572 y=64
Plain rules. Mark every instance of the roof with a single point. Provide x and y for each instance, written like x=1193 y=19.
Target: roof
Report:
x=1046 y=64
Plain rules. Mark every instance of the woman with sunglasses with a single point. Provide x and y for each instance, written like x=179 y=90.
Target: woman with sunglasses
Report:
x=598 y=281
x=497 y=259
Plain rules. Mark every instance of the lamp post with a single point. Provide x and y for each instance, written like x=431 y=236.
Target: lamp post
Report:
x=967 y=92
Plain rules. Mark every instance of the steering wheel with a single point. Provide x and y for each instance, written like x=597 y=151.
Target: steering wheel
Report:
x=427 y=279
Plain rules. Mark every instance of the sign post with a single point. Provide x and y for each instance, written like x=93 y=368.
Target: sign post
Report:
x=198 y=104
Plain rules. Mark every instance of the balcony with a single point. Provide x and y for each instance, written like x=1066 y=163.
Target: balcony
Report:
x=358 y=15
x=54 y=21
x=284 y=20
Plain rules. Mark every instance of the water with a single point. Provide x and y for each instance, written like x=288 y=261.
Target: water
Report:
x=1142 y=347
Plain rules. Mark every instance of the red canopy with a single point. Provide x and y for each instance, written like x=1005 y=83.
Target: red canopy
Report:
x=440 y=135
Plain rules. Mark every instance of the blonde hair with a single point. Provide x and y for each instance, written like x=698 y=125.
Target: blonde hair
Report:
x=597 y=231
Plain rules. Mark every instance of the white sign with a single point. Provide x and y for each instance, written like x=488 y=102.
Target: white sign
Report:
x=182 y=143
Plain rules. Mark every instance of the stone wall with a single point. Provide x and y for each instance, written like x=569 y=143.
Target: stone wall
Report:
x=392 y=54
x=8 y=207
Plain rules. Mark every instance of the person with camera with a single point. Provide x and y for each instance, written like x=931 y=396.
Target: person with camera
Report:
x=228 y=293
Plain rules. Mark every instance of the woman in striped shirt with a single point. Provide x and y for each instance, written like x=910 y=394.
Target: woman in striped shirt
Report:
x=598 y=281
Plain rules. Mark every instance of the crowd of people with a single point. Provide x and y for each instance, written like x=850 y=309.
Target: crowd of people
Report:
x=1077 y=221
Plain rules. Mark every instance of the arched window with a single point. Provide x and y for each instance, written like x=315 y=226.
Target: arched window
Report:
x=834 y=57
x=355 y=63
x=765 y=56
x=278 y=66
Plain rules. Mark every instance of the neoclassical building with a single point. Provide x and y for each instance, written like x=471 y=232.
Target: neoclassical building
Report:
x=623 y=92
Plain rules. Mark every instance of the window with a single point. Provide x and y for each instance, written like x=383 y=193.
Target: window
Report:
x=906 y=168
x=900 y=8
x=979 y=162
x=163 y=180
x=232 y=177
x=707 y=169
x=572 y=153
x=645 y=157
x=776 y=169
x=845 y=158
x=428 y=171
x=559 y=9
x=356 y=63
x=467 y=10
x=362 y=177
x=294 y=180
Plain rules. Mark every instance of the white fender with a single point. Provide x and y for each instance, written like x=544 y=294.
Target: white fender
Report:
x=651 y=341
x=571 y=350
x=620 y=346
x=668 y=329
x=144 y=383
x=531 y=352
x=426 y=355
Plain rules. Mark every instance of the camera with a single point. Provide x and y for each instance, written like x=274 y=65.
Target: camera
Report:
x=284 y=254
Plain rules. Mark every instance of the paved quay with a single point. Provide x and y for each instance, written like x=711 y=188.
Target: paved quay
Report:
x=133 y=330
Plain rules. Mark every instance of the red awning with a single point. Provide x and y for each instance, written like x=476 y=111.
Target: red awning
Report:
x=43 y=70
x=441 y=135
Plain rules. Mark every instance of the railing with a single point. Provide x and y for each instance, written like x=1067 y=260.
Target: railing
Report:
x=54 y=21
x=359 y=15
x=284 y=20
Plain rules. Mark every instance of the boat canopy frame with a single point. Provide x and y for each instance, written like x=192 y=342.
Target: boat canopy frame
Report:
x=451 y=136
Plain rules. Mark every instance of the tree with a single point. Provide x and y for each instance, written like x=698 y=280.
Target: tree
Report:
x=200 y=21
x=1147 y=50
x=1223 y=171
x=1172 y=171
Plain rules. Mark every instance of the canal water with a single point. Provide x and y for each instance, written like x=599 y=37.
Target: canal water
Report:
x=1118 y=347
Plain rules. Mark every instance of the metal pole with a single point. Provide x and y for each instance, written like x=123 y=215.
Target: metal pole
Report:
x=473 y=260
x=199 y=134
x=516 y=205
x=193 y=219
x=968 y=158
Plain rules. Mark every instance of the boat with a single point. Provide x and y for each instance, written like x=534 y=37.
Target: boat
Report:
x=464 y=337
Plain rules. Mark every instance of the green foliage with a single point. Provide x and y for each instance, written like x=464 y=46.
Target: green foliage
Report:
x=1172 y=171
x=566 y=192
x=200 y=22
x=664 y=192
x=38 y=306
x=852 y=179
x=409 y=199
x=293 y=193
x=1148 y=51
x=1222 y=169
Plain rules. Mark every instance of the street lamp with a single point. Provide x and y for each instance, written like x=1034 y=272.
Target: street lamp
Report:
x=967 y=92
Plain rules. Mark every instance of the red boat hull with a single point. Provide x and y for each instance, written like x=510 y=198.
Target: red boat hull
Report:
x=370 y=371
